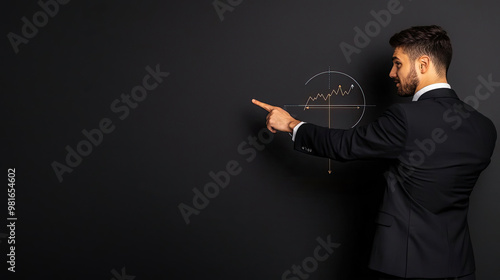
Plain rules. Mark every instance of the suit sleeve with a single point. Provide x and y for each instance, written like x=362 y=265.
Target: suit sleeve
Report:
x=383 y=138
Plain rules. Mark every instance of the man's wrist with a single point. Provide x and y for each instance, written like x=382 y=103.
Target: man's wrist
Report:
x=293 y=124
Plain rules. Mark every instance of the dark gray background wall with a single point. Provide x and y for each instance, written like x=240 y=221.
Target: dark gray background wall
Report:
x=116 y=214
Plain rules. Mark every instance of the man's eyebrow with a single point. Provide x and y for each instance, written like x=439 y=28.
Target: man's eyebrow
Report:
x=394 y=58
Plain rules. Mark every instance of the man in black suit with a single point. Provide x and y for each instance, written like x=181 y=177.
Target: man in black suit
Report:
x=439 y=145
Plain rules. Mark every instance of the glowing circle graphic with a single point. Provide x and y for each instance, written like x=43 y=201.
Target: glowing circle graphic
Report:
x=333 y=99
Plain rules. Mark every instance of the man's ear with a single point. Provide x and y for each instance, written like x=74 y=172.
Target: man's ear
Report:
x=424 y=64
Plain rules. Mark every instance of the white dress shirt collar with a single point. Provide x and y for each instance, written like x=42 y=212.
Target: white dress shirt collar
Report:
x=423 y=90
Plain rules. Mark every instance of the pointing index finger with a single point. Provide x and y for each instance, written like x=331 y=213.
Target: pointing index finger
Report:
x=263 y=105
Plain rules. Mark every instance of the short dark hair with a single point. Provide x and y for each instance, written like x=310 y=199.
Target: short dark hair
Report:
x=426 y=40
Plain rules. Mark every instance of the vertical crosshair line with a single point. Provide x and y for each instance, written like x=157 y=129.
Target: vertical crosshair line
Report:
x=329 y=117
x=330 y=97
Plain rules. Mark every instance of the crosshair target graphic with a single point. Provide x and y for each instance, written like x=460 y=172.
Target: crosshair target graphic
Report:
x=332 y=99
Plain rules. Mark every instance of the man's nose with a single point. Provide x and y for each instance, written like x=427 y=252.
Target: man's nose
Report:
x=392 y=73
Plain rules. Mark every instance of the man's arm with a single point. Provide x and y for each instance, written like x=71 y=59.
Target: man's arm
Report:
x=383 y=138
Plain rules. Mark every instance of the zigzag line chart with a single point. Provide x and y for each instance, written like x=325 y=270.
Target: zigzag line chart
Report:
x=327 y=97
x=340 y=106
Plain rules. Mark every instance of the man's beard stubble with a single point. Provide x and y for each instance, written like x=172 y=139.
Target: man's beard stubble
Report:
x=409 y=87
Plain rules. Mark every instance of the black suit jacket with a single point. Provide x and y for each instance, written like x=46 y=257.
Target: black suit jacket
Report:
x=439 y=146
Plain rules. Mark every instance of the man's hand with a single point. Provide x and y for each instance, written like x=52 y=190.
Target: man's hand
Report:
x=277 y=119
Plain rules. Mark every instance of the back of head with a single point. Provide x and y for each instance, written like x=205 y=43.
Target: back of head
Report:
x=432 y=41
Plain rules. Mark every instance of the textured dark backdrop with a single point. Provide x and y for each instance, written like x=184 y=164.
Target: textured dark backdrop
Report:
x=116 y=215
